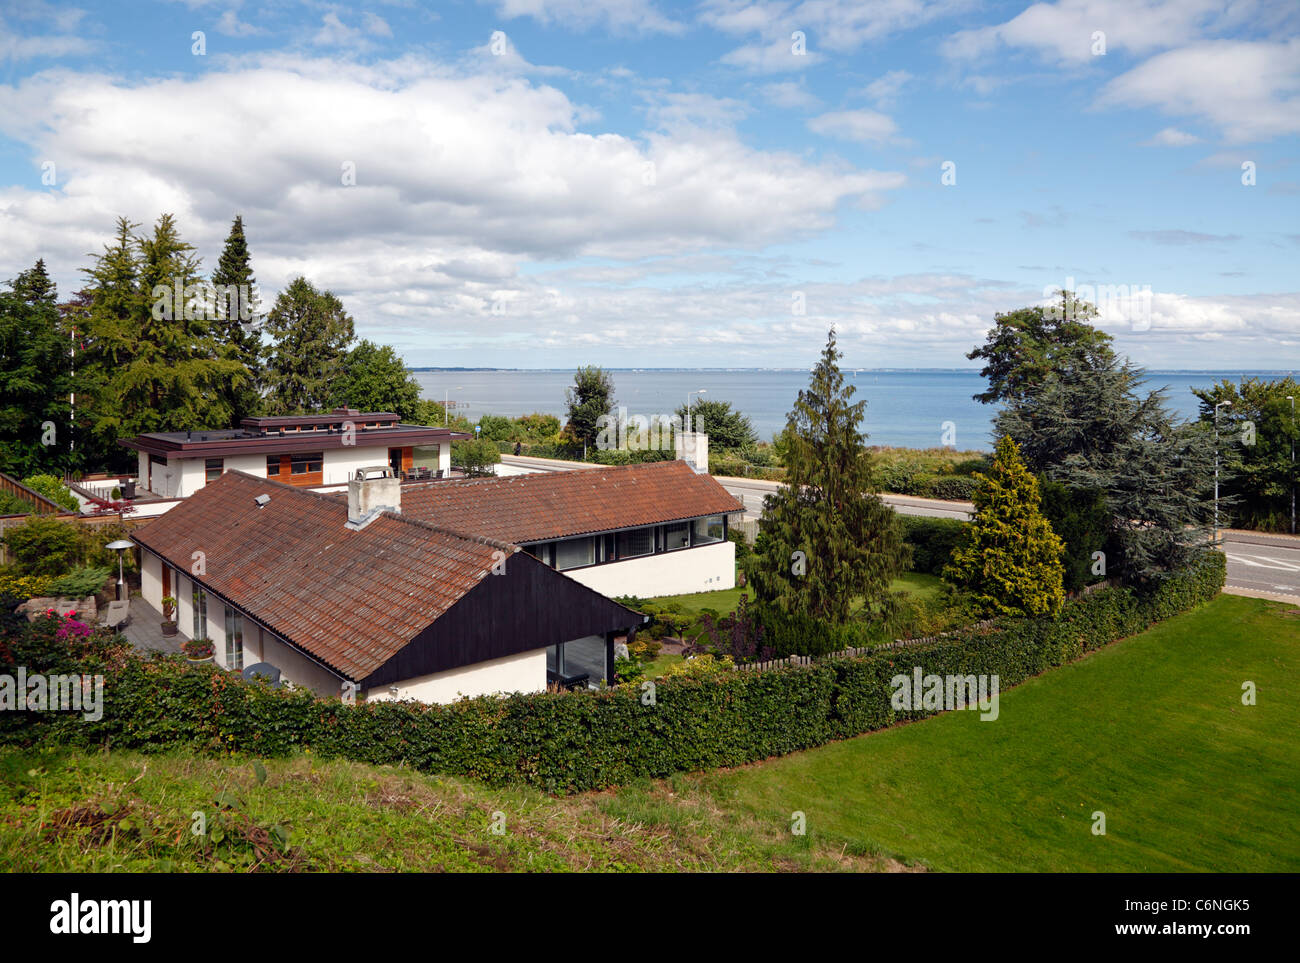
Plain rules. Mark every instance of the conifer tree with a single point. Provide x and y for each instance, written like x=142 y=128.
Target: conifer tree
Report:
x=238 y=323
x=153 y=359
x=826 y=539
x=310 y=336
x=1010 y=559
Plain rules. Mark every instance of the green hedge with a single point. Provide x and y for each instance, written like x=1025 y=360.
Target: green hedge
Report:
x=574 y=741
x=932 y=540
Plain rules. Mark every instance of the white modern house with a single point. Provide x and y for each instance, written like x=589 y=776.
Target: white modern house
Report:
x=650 y=529
x=310 y=451
x=357 y=597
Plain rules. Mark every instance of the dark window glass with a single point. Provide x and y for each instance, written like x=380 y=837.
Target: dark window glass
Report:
x=307 y=462
x=272 y=465
x=213 y=468
x=639 y=541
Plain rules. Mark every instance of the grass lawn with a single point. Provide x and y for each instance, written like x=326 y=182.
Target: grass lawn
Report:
x=1151 y=731
x=725 y=601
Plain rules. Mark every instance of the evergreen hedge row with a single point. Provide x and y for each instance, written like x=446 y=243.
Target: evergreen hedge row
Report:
x=573 y=741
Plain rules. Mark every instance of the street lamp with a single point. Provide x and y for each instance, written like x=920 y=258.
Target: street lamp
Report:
x=1291 y=398
x=120 y=546
x=1221 y=404
x=702 y=391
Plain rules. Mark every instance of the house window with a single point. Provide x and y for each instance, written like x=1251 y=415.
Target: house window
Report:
x=706 y=530
x=573 y=552
x=234 y=639
x=308 y=462
x=677 y=536
x=213 y=467
x=272 y=465
x=200 y=606
x=639 y=541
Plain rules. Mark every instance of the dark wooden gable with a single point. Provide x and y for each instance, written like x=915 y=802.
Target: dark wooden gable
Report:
x=528 y=607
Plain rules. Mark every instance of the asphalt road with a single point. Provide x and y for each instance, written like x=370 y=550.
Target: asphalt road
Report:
x=1263 y=563
x=1258 y=563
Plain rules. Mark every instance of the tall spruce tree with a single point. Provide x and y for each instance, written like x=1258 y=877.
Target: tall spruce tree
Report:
x=310 y=334
x=35 y=378
x=826 y=539
x=1009 y=559
x=238 y=322
x=151 y=352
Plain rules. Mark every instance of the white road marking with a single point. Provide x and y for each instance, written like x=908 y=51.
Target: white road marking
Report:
x=1262 y=561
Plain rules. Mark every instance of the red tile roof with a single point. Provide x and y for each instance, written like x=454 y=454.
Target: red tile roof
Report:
x=351 y=598
x=547 y=505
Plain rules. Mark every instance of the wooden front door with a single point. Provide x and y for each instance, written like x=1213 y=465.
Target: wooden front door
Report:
x=167 y=579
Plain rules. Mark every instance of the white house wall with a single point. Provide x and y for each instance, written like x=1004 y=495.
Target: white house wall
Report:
x=704 y=568
x=525 y=672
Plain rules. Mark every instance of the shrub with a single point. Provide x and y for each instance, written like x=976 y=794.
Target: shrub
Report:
x=703 y=716
x=81 y=582
x=43 y=545
x=53 y=489
x=953 y=488
x=197 y=648
x=932 y=541
x=24 y=587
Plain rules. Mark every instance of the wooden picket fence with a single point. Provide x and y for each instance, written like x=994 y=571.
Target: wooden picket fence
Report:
x=852 y=653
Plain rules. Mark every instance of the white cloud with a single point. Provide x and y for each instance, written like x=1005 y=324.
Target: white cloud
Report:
x=829 y=26
x=462 y=179
x=789 y=95
x=864 y=126
x=619 y=16
x=1250 y=90
x=884 y=90
x=1172 y=137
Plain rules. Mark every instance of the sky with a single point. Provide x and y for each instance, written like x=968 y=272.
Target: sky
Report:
x=643 y=183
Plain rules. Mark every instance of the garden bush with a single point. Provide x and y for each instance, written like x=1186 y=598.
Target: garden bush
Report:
x=932 y=540
x=574 y=741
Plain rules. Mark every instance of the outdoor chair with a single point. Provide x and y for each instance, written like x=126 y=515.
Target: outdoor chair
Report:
x=119 y=614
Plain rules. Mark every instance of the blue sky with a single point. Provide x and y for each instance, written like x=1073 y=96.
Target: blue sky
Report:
x=545 y=183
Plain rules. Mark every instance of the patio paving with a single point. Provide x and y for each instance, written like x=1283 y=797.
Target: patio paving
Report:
x=143 y=630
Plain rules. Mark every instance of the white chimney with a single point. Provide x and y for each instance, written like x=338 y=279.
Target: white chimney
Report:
x=371 y=492
x=693 y=448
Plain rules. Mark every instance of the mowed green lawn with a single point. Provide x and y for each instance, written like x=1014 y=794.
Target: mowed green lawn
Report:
x=724 y=601
x=1151 y=731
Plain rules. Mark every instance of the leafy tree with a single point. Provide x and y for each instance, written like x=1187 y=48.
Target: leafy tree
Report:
x=1092 y=429
x=826 y=539
x=1027 y=345
x=433 y=413
x=499 y=428
x=538 y=426
x=238 y=323
x=591 y=396
x=1257 y=433
x=152 y=357
x=310 y=336
x=35 y=377
x=475 y=455
x=1010 y=559
x=726 y=428
x=374 y=378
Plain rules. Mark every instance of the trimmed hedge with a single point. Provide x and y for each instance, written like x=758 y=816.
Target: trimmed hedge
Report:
x=574 y=741
x=932 y=540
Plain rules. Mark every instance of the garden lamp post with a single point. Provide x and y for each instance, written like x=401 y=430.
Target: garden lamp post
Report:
x=702 y=391
x=120 y=546
x=1221 y=404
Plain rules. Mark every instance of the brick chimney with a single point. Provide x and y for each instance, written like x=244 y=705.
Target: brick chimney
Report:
x=371 y=492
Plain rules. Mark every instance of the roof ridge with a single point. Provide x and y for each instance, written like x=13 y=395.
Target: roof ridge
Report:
x=333 y=501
